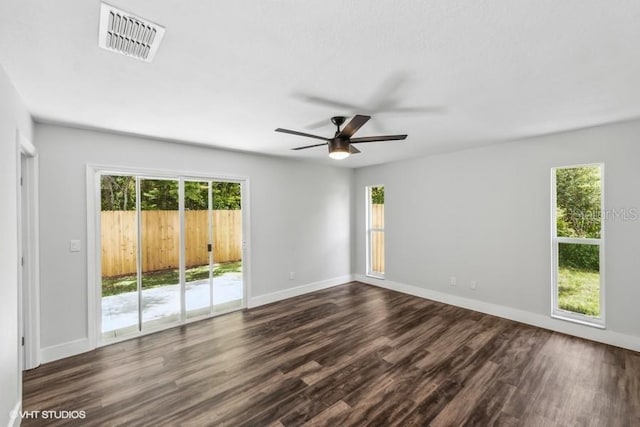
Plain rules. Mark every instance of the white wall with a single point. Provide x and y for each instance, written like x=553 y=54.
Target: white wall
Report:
x=13 y=116
x=455 y=214
x=484 y=215
x=300 y=216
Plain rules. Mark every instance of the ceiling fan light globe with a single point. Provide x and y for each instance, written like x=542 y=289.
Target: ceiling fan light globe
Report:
x=339 y=155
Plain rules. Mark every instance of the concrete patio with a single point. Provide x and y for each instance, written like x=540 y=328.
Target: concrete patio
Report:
x=121 y=311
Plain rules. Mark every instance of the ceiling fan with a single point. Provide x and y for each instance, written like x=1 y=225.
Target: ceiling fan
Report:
x=386 y=99
x=340 y=146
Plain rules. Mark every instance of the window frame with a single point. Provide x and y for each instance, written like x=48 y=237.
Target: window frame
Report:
x=556 y=311
x=369 y=232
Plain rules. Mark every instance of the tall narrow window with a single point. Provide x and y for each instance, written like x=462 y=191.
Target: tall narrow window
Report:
x=375 y=231
x=577 y=239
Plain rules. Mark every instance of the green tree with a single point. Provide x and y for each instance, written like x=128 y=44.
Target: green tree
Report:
x=578 y=213
x=377 y=195
x=578 y=195
x=158 y=194
x=196 y=195
x=226 y=195
x=118 y=193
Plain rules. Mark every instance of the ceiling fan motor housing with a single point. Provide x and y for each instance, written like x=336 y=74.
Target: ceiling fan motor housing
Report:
x=339 y=145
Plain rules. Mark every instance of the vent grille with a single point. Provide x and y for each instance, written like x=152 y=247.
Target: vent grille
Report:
x=128 y=34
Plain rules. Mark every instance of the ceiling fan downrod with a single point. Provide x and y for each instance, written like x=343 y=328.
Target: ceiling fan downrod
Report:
x=338 y=121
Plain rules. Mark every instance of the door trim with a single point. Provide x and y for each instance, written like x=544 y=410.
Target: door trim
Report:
x=28 y=293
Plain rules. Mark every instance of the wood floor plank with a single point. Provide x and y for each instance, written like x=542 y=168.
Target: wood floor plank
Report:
x=352 y=355
x=431 y=403
x=459 y=409
x=332 y=416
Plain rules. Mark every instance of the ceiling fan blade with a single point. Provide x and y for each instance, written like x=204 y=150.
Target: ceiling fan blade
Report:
x=378 y=138
x=294 y=132
x=389 y=91
x=423 y=109
x=319 y=124
x=353 y=126
x=309 y=146
x=353 y=150
x=328 y=102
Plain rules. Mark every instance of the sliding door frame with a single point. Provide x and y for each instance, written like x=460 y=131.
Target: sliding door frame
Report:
x=94 y=245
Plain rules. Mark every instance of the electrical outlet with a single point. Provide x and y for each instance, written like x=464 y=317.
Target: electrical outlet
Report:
x=453 y=281
x=74 y=246
x=474 y=285
x=292 y=275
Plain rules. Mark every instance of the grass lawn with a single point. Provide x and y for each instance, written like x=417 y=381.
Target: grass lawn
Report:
x=121 y=284
x=579 y=291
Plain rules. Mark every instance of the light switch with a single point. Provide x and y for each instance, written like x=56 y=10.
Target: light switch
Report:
x=74 y=246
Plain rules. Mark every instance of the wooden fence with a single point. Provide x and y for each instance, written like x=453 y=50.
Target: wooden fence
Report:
x=377 y=239
x=161 y=239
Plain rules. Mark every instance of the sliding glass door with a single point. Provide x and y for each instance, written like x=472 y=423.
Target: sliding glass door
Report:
x=171 y=251
x=159 y=251
x=227 y=246
x=198 y=247
x=120 y=304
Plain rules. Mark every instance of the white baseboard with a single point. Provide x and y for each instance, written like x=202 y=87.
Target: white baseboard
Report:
x=14 y=415
x=546 y=322
x=297 y=291
x=60 y=351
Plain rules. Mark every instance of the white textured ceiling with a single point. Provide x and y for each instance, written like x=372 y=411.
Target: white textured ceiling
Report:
x=229 y=72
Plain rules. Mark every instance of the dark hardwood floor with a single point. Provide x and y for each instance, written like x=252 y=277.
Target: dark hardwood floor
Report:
x=350 y=355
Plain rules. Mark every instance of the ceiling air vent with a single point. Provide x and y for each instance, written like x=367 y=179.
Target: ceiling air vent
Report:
x=128 y=34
